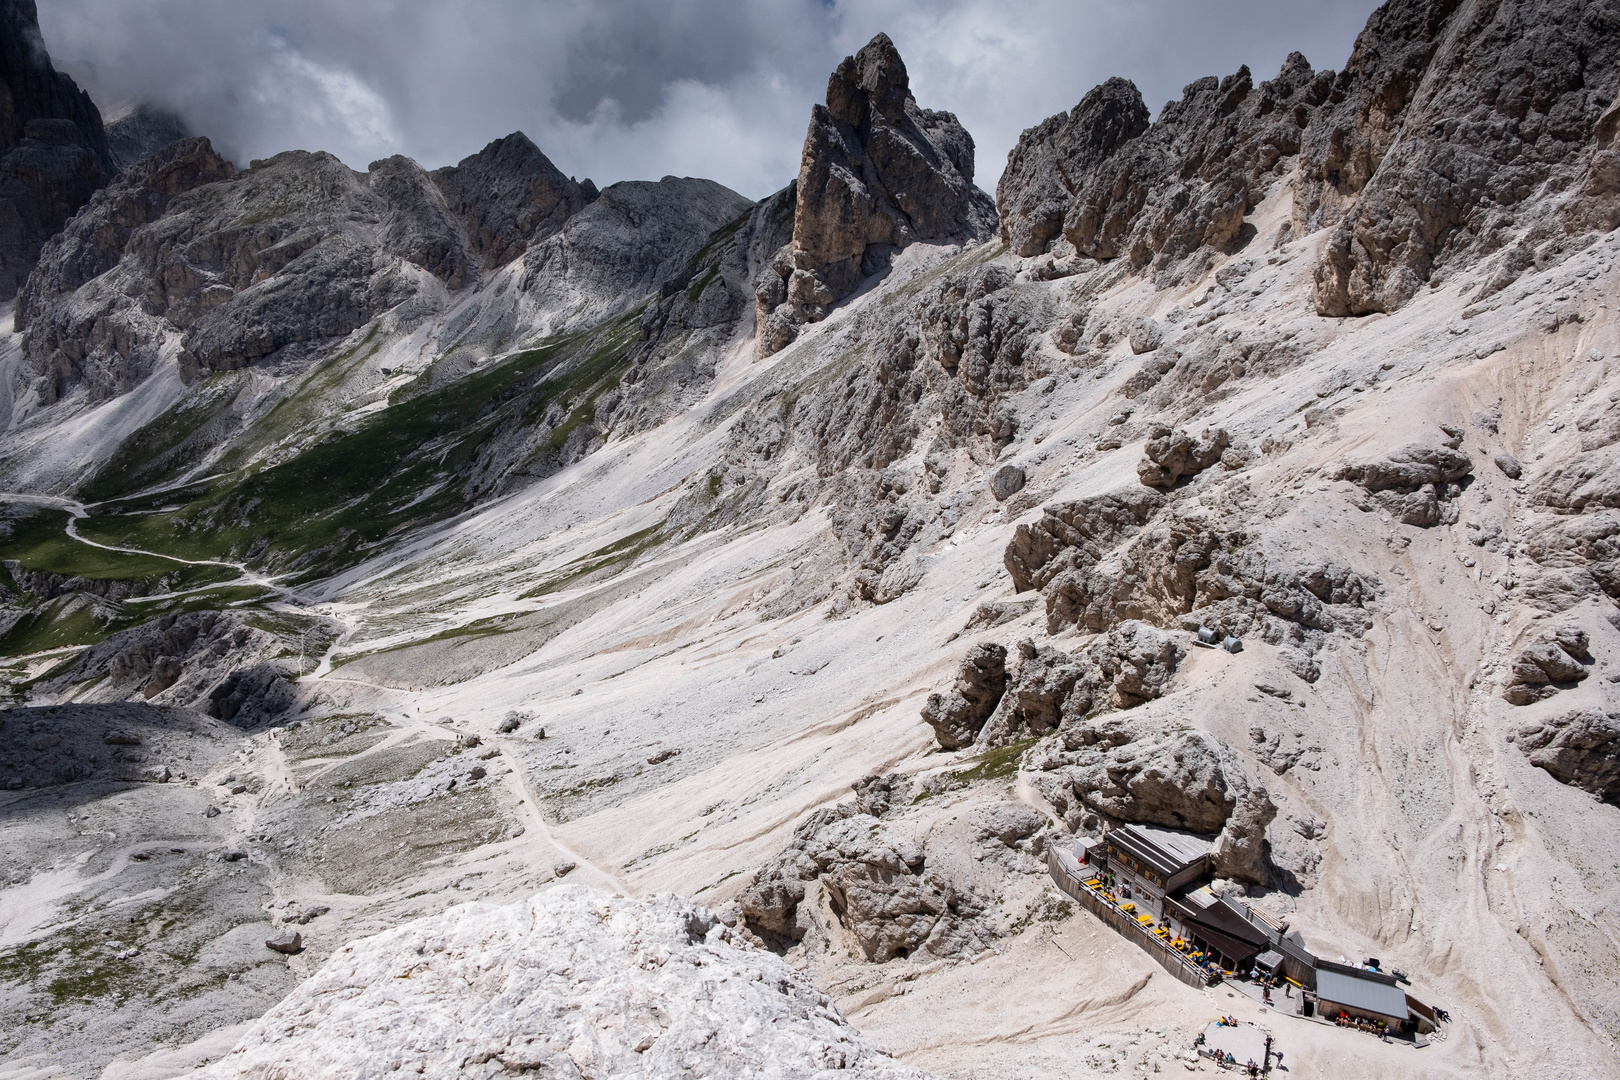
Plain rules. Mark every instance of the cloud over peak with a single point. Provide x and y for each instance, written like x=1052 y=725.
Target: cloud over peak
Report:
x=631 y=89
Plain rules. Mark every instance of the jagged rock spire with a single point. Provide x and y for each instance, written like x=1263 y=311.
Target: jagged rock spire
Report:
x=878 y=173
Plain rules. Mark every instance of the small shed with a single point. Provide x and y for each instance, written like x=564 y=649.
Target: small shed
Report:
x=1368 y=995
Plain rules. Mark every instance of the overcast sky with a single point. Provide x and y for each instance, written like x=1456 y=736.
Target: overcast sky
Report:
x=637 y=89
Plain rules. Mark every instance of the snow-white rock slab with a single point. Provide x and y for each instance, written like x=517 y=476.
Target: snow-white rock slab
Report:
x=571 y=983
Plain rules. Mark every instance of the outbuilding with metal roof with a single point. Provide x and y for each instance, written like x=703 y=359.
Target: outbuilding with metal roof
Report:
x=1369 y=995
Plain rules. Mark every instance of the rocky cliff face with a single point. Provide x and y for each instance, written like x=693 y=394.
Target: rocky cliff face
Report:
x=1489 y=104
x=878 y=173
x=53 y=152
x=509 y=195
x=275 y=266
x=140 y=132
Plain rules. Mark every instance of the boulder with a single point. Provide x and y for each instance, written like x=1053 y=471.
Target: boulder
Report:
x=290 y=942
x=1007 y=823
x=1144 y=335
x=1581 y=749
x=957 y=714
x=1240 y=852
x=1540 y=670
x=1006 y=481
x=1169 y=456
x=1417 y=484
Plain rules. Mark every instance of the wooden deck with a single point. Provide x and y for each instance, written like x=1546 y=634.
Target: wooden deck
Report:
x=1067 y=873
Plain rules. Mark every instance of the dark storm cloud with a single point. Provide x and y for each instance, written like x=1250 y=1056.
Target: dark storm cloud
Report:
x=619 y=89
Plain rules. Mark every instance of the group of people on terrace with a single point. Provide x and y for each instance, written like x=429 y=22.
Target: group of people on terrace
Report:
x=1120 y=897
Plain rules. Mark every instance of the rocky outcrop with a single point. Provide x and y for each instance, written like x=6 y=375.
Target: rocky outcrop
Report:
x=1240 y=853
x=95 y=240
x=1169 y=456
x=699 y=312
x=1579 y=556
x=1457 y=192
x=1489 y=104
x=1173 y=778
x=1109 y=772
x=1587 y=483
x=141 y=132
x=1417 y=484
x=1076 y=535
x=1581 y=749
x=876 y=875
x=1038 y=697
x=53 y=151
x=126 y=741
x=570 y=982
x=1137 y=663
x=1557 y=662
x=210 y=661
x=1155 y=194
x=507 y=196
x=1116 y=557
x=957 y=714
x=1054 y=159
x=1131 y=664
x=878 y=173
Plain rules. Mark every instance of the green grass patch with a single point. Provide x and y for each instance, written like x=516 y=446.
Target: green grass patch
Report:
x=165 y=447
x=66 y=621
x=205 y=600
x=334 y=502
x=997 y=764
x=694 y=292
x=618 y=554
x=40 y=542
x=492 y=626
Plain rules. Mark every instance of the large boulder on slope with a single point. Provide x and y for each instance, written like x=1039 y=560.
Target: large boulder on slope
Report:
x=957 y=714
x=1581 y=749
